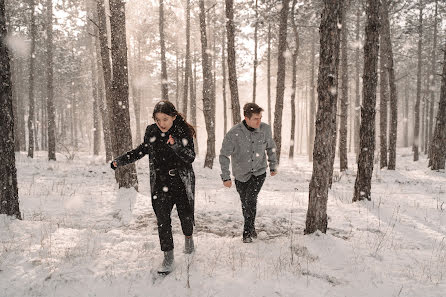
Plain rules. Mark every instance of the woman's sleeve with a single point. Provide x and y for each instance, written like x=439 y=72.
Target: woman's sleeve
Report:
x=184 y=148
x=135 y=154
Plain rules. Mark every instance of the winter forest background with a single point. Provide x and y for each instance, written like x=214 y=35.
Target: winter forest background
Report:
x=355 y=92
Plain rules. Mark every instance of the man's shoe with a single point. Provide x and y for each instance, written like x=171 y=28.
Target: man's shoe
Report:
x=168 y=263
x=254 y=234
x=189 y=247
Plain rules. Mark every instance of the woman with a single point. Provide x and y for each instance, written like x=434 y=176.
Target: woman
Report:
x=169 y=144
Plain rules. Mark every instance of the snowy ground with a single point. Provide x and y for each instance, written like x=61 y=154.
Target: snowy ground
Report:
x=82 y=236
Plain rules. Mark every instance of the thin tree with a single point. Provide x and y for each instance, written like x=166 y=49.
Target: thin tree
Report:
x=393 y=91
x=438 y=145
x=268 y=74
x=9 y=196
x=416 y=141
x=328 y=68
x=51 y=112
x=254 y=78
x=357 y=85
x=384 y=91
x=280 y=87
x=187 y=70
x=125 y=176
x=32 y=58
x=367 y=128
x=164 y=81
x=294 y=80
x=312 y=97
x=432 y=86
x=344 y=91
x=223 y=74
x=232 y=69
x=208 y=103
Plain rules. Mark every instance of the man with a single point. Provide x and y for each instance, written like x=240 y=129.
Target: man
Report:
x=246 y=144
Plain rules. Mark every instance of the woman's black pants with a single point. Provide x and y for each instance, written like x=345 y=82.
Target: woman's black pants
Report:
x=170 y=191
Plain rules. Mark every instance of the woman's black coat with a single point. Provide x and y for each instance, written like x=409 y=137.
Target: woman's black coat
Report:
x=155 y=145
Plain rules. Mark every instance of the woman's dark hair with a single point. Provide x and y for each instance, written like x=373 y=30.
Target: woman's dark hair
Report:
x=167 y=107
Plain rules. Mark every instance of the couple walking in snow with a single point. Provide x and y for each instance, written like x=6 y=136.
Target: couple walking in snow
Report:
x=169 y=144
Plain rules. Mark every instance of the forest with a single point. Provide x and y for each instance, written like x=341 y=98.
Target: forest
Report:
x=354 y=93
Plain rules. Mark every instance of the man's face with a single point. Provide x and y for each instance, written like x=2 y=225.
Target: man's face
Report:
x=254 y=121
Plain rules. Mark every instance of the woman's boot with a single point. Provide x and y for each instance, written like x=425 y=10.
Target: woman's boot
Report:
x=168 y=263
x=189 y=245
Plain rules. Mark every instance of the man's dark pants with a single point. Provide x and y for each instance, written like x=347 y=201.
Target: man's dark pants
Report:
x=248 y=192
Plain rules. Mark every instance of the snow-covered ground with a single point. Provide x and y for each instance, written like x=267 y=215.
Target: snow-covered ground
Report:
x=82 y=236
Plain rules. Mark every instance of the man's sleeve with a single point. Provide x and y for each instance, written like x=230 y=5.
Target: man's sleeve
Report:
x=271 y=149
x=227 y=148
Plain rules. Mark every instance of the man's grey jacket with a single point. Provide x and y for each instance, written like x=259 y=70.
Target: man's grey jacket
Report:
x=247 y=151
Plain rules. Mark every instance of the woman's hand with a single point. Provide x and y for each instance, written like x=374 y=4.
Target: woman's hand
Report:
x=114 y=165
x=170 y=140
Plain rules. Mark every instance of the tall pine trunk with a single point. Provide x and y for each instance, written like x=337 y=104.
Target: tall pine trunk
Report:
x=280 y=87
x=328 y=68
x=208 y=103
x=312 y=98
x=438 y=146
x=384 y=92
x=357 y=86
x=343 y=163
x=294 y=81
x=187 y=70
x=125 y=176
x=9 y=196
x=232 y=69
x=223 y=74
x=31 y=82
x=51 y=111
x=254 y=79
x=393 y=91
x=417 y=140
x=164 y=81
x=432 y=85
x=268 y=74
x=367 y=128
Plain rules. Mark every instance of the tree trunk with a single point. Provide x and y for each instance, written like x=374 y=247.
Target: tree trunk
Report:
x=125 y=176
x=232 y=69
x=294 y=81
x=193 y=99
x=416 y=141
x=280 y=87
x=254 y=79
x=51 y=112
x=269 y=74
x=343 y=163
x=9 y=196
x=187 y=72
x=208 y=103
x=384 y=91
x=164 y=80
x=393 y=91
x=358 y=93
x=432 y=86
x=328 y=68
x=223 y=70
x=438 y=146
x=107 y=73
x=406 y=115
x=367 y=129
x=137 y=92
x=312 y=98
x=31 y=82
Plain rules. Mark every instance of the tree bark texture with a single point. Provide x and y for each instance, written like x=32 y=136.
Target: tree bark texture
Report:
x=51 y=110
x=312 y=98
x=438 y=146
x=232 y=69
x=187 y=70
x=416 y=140
x=432 y=86
x=125 y=176
x=31 y=82
x=280 y=87
x=357 y=85
x=343 y=163
x=294 y=81
x=367 y=128
x=208 y=103
x=164 y=80
x=384 y=93
x=9 y=196
x=327 y=96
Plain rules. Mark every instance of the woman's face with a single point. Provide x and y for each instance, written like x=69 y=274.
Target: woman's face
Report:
x=164 y=121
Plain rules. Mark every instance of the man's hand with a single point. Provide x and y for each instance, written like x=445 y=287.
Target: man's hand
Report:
x=227 y=183
x=272 y=173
